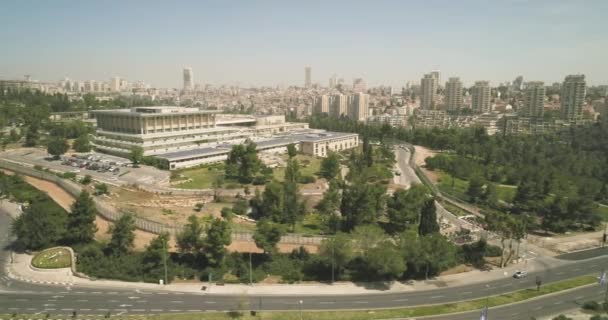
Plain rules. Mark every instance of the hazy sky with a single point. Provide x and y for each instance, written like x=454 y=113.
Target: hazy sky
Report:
x=256 y=42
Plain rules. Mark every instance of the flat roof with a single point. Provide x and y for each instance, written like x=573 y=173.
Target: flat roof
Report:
x=187 y=154
x=322 y=136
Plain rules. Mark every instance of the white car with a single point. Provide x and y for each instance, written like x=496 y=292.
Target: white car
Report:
x=520 y=274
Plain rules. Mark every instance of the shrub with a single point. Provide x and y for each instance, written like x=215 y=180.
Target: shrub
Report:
x=493 y=251
x=591 y=306
x=101 y=189
x=86 y=180
x=306 y=179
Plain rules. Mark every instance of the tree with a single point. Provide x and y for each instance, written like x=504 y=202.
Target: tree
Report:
x=437 y=253
x=101 y=189
x=428 y=218
x=156 y=258
x=190 y=239
x=293 y=206
x=122 y=235
x=32 y=136
x=218 y=237
x=267 y=235
x=81 y=226
x=243 y=162
x=291 y=150
x=330 y=166
x=404 y=207
x=379 y=257
x=362 y=203
x=337 y=250
x=82 y=144
x=40 y=225
x=475 y=190
x=57 y=146
x=137 y=155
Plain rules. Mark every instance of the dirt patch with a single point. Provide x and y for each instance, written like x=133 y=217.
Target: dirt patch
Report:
x=419 y=158
x=457 y=269
x=245 y=246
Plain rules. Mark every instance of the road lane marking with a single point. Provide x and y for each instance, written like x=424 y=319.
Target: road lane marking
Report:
x=156 y=310
x=400 y=300
x=175 y=310
x=559 y=273
x=177 y=302
x=578 y=298
x=195 y=310
x=85 y=309
x=138 y=310
x=326 y=302
x=467 y=292
x=537 y=308
x=361 y=302
x=436 y=297
x=210 y=302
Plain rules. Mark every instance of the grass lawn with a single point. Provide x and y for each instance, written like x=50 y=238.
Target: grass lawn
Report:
x=200 y=177
x=454 y=209
x=428 y=310
x=459 y=188
x=505 y=192
x=602 y=210
x=310 y=225
x=309 y=166
x=52 y=259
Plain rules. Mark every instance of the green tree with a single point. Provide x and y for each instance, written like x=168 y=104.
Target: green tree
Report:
x=385 y=261
x=81 y=226
x=267 y=235
x=362 y=203
x=82 y=144
x=137 y=155
x=437 y=254
x=339 y=250
x=32 y=136
x=218 y=237
x=40 y=225
x=475 y=190
x=57 y=146
x=190 y=239
x=293 y=206
x=243 y=162
x=156 y=258
x=405 y=206
x=291 y=150
x=428 y=218
x=123 y=235
x=101 y=189
x=330 y=166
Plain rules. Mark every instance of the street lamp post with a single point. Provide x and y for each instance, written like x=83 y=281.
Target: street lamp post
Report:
x=333 y=243
x=165 y=259
x=250 y=270
x=301 y=302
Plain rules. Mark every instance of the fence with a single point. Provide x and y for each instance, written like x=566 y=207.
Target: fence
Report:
x=110 y=213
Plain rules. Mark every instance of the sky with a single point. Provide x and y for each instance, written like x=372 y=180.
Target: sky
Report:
x=258 y=42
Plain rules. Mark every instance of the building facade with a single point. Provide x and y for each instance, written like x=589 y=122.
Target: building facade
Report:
x=453 y=94
x=572 y=97
x=307 y=77
x=188 y=79
x=358 y=109
x=428 y=92
x=534 y=100
x=339 y=106
x=480 y=97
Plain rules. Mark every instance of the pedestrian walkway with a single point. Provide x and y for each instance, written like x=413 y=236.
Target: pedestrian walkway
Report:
x=20 y=269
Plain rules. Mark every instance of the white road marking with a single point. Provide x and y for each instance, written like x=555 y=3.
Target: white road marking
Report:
x=210 y=302
x=82 y=300
x=467 y=292
x=195 y=310
x=156 y=310
x=361 y=302
x=138 y=310
x=175 y=310
x=85 y=309
x=578 y=298
x=400 y=300
x=559 y=273
x=436 y=297
x=537 y=308
x=326 y=302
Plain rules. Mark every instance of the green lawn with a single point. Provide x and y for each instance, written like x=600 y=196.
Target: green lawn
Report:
x=200 y=177
x=309 y=166
x=427 y=310
x=454 y=209
x=52 y=259
x=505 y=193
x=310 y=225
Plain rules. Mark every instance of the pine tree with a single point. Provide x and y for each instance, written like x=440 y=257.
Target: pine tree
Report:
x=81 y=226
x=428 y=218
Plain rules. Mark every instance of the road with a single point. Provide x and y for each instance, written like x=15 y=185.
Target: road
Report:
x=16 y=297
x=407 y=175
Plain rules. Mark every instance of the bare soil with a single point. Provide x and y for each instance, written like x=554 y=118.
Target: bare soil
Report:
x=421 y=154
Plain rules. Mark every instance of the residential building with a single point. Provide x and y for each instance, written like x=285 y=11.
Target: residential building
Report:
x=480 y=97
x=333 y=82
x=339 y=106
x=307 y=77
x=321 y=104
x=534 y=100
x=188 y=79
x=428 y=94
x=359 y=107
x=115 y=84
x=573 y=97
x=453 y=94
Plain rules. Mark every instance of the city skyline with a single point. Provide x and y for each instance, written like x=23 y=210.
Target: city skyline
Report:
x=268 y=43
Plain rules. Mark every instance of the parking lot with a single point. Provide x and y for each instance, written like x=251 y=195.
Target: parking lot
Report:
x=101 y=167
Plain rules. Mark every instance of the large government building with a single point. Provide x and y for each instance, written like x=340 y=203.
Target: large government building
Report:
x=187 y=137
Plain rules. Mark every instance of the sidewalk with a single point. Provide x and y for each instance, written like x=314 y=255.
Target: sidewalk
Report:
x=21 y=270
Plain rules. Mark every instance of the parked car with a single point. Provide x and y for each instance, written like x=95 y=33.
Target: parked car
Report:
x=520 y=274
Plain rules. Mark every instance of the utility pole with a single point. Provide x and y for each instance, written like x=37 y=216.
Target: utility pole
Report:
x=333 y=243
x=165 y=259
x=604 y=236
x=301 y=302
x=250 y=270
